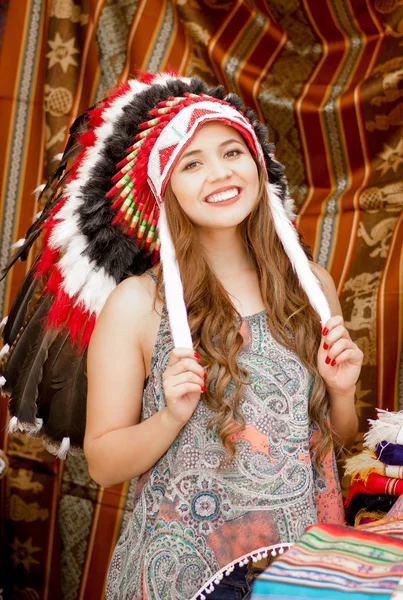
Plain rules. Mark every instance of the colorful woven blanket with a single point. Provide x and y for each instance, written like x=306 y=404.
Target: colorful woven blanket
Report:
x=375 y=484
x=332 y=561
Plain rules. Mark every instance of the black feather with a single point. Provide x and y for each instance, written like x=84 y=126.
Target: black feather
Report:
x=32 y=332
x=18 y=311
x=62 y=392
x=24 y=394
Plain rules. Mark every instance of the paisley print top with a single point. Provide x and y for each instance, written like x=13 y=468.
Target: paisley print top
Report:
x=193 y=518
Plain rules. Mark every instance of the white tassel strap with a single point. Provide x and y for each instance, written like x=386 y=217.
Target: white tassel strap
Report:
x=300 y=263
x=177 y=313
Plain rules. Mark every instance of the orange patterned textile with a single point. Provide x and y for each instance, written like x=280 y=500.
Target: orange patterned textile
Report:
x=327 y=77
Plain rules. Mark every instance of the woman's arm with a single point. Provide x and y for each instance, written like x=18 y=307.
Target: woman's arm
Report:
x=339 y=363
x=117 y=445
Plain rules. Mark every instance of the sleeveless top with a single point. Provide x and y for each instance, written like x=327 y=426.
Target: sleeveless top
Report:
x=194 y=518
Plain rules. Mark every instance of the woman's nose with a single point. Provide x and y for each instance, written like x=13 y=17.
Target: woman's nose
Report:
x=219 y=170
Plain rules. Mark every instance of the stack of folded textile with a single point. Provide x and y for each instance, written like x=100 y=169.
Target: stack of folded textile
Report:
x=377 y=472
x=332 y=561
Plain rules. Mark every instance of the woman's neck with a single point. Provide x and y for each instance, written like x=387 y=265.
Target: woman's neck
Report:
x=225 y=252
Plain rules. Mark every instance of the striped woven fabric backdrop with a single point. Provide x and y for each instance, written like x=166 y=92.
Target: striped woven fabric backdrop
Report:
x=326 y=77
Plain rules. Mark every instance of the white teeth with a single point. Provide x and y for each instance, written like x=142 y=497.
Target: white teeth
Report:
x=221 y=196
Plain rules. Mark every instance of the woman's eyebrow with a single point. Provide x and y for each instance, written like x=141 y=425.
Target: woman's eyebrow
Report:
x=197 y=151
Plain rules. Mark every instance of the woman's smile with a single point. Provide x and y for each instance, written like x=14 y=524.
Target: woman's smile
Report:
x=224 y=196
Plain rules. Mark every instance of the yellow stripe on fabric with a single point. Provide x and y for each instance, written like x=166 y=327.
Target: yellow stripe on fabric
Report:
x=382 y=316
x=298 y=113
x=367 y=160
x=237 y=42
x=83 y=63
x=15 y=94
x=269 y=63
x=174 y=31
x=156 y=33
x=27 y=131
x=215 y=38
x=90 y=543
x=133 y=29
x=53 y=528
x=186 y=56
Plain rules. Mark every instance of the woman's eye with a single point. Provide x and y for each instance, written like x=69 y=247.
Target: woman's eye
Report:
x=233 y=152
x=191 y=165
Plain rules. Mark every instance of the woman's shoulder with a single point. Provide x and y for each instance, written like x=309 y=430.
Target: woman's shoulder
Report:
x=133 y=298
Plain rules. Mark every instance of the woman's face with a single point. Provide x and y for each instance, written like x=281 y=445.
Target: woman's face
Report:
x=216 y=180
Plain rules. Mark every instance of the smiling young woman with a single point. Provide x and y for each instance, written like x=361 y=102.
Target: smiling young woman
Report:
x=209 y=377
x=230 y=437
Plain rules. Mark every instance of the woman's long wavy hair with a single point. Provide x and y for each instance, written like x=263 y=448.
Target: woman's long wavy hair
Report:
x=215 y=322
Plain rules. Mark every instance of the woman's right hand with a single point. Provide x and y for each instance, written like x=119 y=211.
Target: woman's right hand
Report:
x=183 y=382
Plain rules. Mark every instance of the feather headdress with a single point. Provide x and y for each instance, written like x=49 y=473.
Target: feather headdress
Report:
x=104 y=221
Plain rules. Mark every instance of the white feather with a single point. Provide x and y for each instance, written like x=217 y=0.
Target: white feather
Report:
x=387 y=427
x=299 y=261
x=18 y=243
x=173 y=287
x=39 y=189
x=64 y=448
x=63 y=232
x=4 y=350
x=4 y=322
x=36 y=217
x=96 y=290
x=58 y=157
x=2 y=381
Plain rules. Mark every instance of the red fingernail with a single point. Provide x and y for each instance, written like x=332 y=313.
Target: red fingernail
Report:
x=203 y=388
x=333 y=363
x=205 y=376
x=325 y=346
x=327 y=360
x=197 y=355
x=325 y=331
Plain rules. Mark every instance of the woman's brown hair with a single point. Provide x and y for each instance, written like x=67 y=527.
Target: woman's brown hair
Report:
x=215 y=323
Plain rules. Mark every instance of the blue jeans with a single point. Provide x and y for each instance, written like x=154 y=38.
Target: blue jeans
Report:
x=233 y=587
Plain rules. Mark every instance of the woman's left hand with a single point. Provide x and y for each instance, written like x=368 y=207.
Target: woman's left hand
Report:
x=339 y=358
